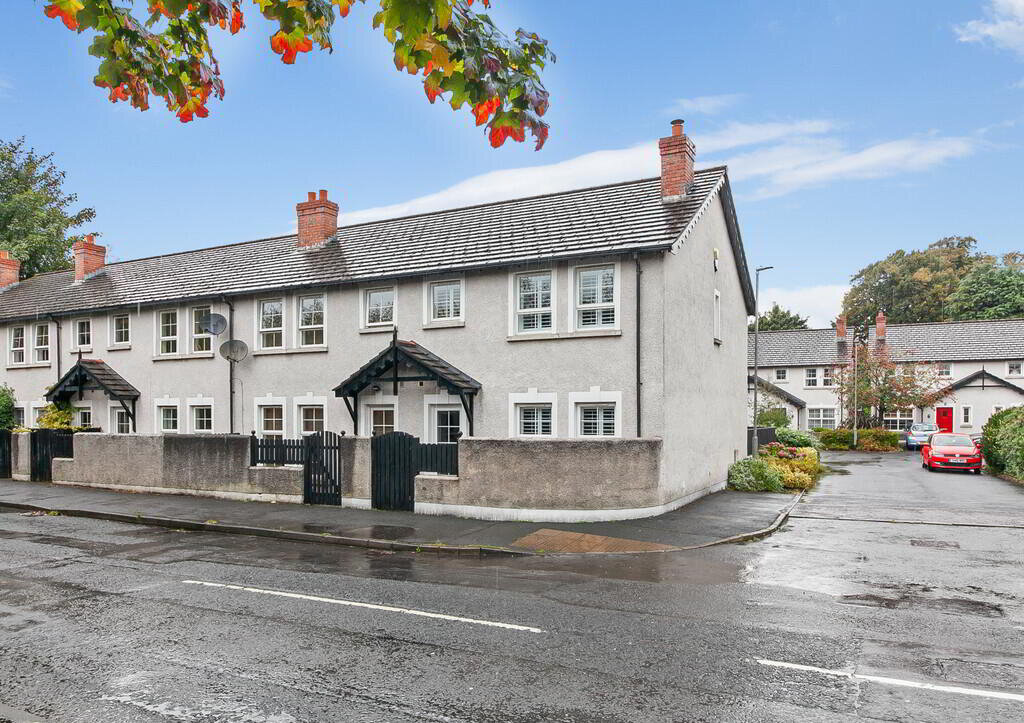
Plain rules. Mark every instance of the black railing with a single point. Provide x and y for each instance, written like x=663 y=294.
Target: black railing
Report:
x=439 y=458
x=275 y=451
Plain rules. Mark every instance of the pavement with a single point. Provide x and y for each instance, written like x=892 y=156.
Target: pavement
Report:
x=830 y=619
x=723 y=516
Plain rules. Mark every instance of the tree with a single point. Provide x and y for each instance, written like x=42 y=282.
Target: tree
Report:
x=6 y=407
x=912 y=287
x=779 y=319
x=35 y=212
x=883 y=385
x=460 y=52
x=989 y=291
x=773 y=417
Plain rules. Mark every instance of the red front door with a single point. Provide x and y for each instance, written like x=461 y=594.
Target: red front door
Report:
x=944 y=418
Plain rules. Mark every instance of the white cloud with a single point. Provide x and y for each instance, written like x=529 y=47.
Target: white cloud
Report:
x=820 y=304
x=706 y=104
x=1003 y=26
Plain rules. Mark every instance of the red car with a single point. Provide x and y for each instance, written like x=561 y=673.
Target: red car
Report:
x=951 y=451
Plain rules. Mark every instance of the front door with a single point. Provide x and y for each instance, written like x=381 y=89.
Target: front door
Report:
x=944 y=418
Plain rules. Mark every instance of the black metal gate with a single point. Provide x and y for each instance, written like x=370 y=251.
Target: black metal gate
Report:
x=5 y=453
x=322 y=469
x=45 y=445
x=396 y=459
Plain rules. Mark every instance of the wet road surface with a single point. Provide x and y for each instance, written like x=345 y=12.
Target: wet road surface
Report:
x=831 y=619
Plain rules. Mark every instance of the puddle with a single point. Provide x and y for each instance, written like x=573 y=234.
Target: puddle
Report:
x=376 y=532
x=942 y=544
x=947 y=605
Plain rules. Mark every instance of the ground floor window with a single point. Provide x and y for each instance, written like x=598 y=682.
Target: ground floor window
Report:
x=966 y=415
x=382 y=420
x=311 y=417
x=83 y=417
x=447 y=425
x=19 y=416
x=899 y=419
x=821 y=417
x=272 y=421
x=202 y=418
x=121 y=422
x=534 y=420
x=168 y=418
x=596 y=420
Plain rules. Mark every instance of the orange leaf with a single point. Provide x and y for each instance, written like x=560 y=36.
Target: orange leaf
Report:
x=289 y=45
x=237 y=18
x=66 y=10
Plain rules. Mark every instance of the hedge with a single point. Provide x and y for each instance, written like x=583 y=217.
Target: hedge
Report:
x=869 y=440
x=1002 y=442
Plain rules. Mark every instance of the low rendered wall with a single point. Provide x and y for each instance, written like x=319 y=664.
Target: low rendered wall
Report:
x=199 y=464
x=21 y=456
x=548 y=480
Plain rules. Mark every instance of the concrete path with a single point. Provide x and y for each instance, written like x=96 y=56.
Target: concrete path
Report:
x=715 y=517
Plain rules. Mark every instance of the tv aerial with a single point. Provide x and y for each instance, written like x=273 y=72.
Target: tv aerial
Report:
x=234 y=350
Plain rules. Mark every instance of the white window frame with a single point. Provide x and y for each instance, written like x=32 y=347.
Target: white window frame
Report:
x=160 y=338
x=1020 y=368
x=828 y=378
x=300 y=328
x=898 y=416
x=80 y=407
x=939 y=367
x=37 y=347
x=811 y=375
x=531 y=397
x=784 y=378
x=435 y=409
x=429 y=320
x=515 y=311
x=194 y=334
x=158 y=421
x=269 y=401
x=835 y=416
x=576 y=307
x=442 y=400
x=300 y=419
x=261 y=330
x=966 y=415
x=19 y=415
x=201 y=401
x=364 y=306
x=12 y=350
x=718 y=317
x=76 y=341
x=115 y=409
x=264 y=431
x=112 y=341
x=594 y=397
x=371 y=408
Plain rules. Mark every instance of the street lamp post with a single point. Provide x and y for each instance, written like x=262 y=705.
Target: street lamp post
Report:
x=757 y=327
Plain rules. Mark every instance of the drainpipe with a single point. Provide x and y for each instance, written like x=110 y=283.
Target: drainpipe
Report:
x=639 y=382
x=231 y=367
x=56 y=321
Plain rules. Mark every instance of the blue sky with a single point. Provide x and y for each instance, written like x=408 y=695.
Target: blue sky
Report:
x=851 y=127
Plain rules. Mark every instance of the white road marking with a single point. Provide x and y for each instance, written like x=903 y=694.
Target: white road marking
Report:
x=369 y=606
x=1019 y=697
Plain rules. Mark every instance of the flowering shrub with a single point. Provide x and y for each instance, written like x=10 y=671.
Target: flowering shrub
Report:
x=792 y=478
x=800 y=466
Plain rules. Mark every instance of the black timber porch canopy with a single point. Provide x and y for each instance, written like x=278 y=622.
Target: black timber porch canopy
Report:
x=95 y=375
x=427 y=366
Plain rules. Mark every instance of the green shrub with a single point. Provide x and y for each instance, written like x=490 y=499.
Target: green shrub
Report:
x=878 y=440
x=797 y=438
x=835 y=438
x=755 y=475
x=994 y=457
x=57 y=415
x=792 y=477
x=773 y=417
x=1008 y=442
x=6 y=407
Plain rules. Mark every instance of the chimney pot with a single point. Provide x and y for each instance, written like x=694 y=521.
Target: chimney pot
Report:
x=318 y=219
x=677 y=156
x=90 y=257
x=10 y=269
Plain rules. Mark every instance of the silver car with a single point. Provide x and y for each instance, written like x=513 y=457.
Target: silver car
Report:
x=919 y=434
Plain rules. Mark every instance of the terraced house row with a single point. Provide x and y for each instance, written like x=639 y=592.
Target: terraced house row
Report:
x=609 y=313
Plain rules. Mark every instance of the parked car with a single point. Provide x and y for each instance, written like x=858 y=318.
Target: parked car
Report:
x=918 y=435
x=951 y=451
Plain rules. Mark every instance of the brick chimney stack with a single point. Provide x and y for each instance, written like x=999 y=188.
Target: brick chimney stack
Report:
x=10 y=269
x=677 y=155
x=880 y=326
x=318 y=219
x=841 y=328
x=90 y=257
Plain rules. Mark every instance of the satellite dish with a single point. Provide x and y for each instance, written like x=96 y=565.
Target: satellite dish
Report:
x=234 y=350
x=213 y=324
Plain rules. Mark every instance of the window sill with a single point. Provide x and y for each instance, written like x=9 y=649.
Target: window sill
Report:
x=377 y=329
x=120 y=347
x=295 y=350
x=33 y=365
x=564 y=335
x=718 y=342
x=184 y=357
x=453 y=323
x=83 y=349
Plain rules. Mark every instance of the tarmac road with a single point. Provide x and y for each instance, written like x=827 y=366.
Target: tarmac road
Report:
x=831 y=619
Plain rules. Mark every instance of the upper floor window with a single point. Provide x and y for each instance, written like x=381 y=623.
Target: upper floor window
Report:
x=533 y=302
x=17 y=345
x=201 y=339
x=1015 y=368
x=272 y=324
x=445 y=300
x=169 y=332
x=83 y=333
x=717 y=322
x=42 y=345
x=944 y=369
x=781 y=375
x=380 y=306
x=122 y=329
x=595 y=297
x=827 y=377
x=534 y=420
x=311 y=320
x=810 y=377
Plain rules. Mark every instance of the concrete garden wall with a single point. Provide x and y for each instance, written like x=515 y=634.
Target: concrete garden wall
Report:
x=21 y=456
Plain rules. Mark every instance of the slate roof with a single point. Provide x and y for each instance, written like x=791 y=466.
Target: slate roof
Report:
x=97 y=375
x=611 y=219
x=456 y=381
x=938 y=341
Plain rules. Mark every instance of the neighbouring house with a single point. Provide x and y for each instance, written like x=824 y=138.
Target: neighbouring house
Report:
x=980 y=365
x=605 y=314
